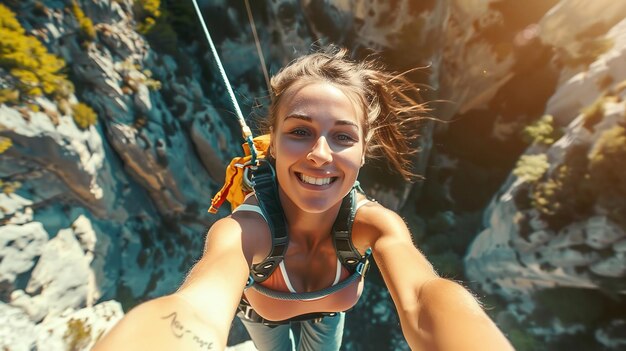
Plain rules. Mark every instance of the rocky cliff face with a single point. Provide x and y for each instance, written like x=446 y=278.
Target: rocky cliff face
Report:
x=555 y=232
x=114 y=210
x=117 y=209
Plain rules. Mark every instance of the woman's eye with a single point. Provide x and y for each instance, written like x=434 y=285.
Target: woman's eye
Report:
x=299 y=132
x=345 y=138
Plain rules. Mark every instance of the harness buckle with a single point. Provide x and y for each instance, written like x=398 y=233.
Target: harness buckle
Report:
x=362 y=267
x=249 y=282
x=248 y=182
x=247 y=312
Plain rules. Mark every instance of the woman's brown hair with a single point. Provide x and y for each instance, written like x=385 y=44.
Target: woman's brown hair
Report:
x=389 y=101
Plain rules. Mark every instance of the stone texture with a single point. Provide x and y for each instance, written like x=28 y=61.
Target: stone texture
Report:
x=18 y=332
x=20 y=245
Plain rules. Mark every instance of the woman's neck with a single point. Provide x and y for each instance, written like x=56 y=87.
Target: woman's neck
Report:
x=306 y=227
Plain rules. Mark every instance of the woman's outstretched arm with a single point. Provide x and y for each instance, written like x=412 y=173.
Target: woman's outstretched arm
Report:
x=199 y=314
x=435 y=313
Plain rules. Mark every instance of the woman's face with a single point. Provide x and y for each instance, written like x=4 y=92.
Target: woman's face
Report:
x=318 y=145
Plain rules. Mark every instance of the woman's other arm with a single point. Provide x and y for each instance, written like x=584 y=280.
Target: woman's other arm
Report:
x=435 y=313
x=199 y=314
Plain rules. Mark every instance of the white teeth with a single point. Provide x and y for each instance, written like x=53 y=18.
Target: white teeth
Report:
x=315 y=181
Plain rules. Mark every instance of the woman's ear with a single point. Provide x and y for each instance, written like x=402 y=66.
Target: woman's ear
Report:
x=363 y=160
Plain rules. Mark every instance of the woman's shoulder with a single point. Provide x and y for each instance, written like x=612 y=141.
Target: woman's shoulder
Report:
x=246 y=221
x=373 y=212
x=372 y=221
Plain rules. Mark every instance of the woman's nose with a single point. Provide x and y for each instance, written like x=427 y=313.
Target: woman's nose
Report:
x=321 y=152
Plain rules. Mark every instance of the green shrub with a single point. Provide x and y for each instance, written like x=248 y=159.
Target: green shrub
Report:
x=594 y=113
x=544 y=195
x=530 y=168
x=566 y=195
x=5 y=144
x=87 y=31
x=8 y=20
x=9 y=187
x=607 y=169
x=84 y=116
x=147 y=13
x=162 y=37
x=38 y=72
x=9 y=96
x=150 y=82
x=542 y=131
x=152 y=8
x=78 y=334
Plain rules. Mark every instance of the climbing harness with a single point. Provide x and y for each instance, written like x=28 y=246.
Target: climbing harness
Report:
x=271 y=207
x=250 y=314
x=348 y=256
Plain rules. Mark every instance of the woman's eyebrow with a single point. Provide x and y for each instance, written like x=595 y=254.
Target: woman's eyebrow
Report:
x=310 y=120
x=300 y=117
x=347 y=122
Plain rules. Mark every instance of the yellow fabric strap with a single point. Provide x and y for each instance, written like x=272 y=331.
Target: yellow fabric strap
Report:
x=233 y=190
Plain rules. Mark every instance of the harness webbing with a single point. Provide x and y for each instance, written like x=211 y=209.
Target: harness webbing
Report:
x=280 y=295
x=266 y=190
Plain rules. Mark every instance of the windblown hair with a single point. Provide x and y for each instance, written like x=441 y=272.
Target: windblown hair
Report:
x=389 y=101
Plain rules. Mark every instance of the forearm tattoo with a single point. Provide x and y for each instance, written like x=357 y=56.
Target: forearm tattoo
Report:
x=179 y=331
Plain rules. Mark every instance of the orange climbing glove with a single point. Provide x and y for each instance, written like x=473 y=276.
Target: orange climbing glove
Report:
x=233 y=189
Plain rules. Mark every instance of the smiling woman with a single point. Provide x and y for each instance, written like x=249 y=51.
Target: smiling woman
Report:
x=328 y=114
x=320 y=144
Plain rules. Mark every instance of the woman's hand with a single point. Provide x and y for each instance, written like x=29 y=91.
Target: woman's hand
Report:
x=435 y=313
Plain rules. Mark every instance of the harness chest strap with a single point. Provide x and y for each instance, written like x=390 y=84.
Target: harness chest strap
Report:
x=266 y=190
x=250 y=314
